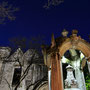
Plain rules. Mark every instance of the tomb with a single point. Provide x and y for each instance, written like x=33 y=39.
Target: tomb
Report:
x=62 y=52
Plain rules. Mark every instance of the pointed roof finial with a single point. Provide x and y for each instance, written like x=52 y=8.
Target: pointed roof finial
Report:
x=74 y=32
x=53 y=43
x=64 y=33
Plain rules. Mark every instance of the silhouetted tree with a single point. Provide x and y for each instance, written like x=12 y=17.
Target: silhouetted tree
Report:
x=7 y=12
x=52 y=3
x=22 y=42
x=16 y=42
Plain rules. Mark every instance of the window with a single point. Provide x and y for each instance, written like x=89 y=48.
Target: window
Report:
x=16 y=76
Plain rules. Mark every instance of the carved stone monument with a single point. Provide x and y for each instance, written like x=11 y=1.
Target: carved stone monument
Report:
x=53 y=58
x=70 y=81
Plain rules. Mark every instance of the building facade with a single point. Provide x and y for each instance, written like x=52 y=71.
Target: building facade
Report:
x=21 y=71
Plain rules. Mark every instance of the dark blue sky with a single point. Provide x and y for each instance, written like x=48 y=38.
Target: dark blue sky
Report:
x=33 y=19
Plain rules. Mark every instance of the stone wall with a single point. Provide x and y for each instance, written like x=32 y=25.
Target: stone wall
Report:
x=36 y=72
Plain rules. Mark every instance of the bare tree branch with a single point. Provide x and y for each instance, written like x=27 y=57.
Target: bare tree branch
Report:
x=7 y=12
x=25 y=72
x=52 y=3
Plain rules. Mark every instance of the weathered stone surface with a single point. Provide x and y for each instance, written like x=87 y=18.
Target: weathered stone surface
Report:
x=35 y=73
x=4 y=52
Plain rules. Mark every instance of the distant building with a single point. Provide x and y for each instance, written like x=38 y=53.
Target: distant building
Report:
x=14 y=68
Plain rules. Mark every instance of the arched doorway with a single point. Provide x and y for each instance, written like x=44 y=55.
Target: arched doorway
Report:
x=73 y=44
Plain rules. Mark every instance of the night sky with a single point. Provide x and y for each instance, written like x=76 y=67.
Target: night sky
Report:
x=33 y=20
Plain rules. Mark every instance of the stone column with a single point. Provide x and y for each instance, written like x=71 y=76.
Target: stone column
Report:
x=80 y=79
x=88 y=62
x=56 y=73
x=49 y=79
